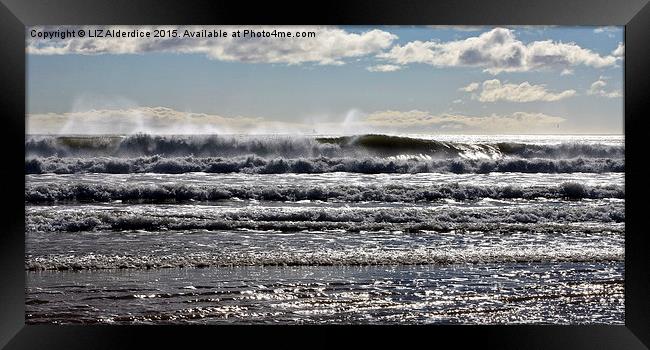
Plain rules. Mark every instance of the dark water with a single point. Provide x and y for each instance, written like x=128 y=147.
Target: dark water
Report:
x=557 y=293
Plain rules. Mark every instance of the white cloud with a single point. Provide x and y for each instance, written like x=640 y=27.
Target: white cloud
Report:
x=497 y=50
x=330 y=46
x=598 y=88
x=493 y=91
x=162 y=120
x=609 y=31
x=458 y=28
x=384 y=68
x=619 y=51
x=424 y=121
x=470 y=87
x=156 y=120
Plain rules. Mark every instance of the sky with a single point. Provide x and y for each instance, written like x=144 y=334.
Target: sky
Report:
x=350 y=79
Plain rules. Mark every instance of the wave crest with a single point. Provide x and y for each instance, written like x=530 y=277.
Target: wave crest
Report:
x=369 y=165
x=389 y=193
x=537 y=219
x=301 y=146
x=325 y=257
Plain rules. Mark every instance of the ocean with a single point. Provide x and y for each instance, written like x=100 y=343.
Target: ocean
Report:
x=323 y=229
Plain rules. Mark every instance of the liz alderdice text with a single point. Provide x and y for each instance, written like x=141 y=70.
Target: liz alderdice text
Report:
x=62 y=34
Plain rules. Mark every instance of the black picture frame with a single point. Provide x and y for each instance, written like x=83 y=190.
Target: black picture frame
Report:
x=633 y=14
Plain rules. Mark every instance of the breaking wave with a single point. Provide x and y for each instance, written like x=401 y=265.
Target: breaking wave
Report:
x=326 y=257
x=302 y=146
x=369 y=165
x=537 y=219
x=157 y=193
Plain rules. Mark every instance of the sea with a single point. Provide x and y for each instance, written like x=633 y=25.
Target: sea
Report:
x=324 y=229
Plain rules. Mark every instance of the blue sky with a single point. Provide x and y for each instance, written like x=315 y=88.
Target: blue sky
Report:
x=572 y=75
